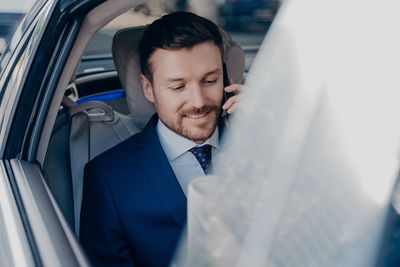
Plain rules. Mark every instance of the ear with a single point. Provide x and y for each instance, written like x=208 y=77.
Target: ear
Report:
x=147 y=88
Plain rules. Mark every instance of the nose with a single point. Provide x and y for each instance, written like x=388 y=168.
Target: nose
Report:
x=196 y=96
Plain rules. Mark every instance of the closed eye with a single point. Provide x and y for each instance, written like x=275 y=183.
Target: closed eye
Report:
x=176 y=87
x=210 y=82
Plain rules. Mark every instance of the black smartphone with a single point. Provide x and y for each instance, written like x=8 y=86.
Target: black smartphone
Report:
x=226 y=83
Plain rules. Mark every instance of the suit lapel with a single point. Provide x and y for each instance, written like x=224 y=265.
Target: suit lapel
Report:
x=160 y=173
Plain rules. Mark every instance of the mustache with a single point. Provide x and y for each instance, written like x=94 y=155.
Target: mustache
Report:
x=202 y=110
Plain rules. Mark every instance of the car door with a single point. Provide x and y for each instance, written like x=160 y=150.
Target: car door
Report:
x=33 y=230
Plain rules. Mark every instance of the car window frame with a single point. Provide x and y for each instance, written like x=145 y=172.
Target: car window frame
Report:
x=11 y=83
x=15 y=249
x=51 y=240
x=47 y=237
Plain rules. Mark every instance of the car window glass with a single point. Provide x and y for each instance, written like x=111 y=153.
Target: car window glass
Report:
x=11 y=14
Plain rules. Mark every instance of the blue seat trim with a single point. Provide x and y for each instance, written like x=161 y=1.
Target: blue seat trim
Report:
x=105 y=97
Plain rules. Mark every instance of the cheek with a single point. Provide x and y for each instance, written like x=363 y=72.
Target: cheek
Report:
x=169 y=102
x=215 y=94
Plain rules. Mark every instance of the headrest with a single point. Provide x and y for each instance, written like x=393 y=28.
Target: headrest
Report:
x=126 y=59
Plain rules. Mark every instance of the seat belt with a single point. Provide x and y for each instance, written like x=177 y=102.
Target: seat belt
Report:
x=82 y=116
x=79 y=146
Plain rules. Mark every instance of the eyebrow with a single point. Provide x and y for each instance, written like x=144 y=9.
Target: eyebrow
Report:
x=217 y=70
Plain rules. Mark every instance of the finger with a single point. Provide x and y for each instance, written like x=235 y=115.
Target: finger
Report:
x=241 y=88
x=230 y=101
x=233 y=88
x=232 y=109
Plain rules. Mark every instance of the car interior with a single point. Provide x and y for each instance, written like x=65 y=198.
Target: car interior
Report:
x=95 y=101
x=91 y=113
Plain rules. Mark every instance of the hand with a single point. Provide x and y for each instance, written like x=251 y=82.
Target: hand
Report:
x=230 y=105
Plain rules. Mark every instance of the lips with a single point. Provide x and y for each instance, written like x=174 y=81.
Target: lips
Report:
x=200 y=115
x=196 y=116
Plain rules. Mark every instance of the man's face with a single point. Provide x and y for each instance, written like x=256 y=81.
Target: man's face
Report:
x=187 y=89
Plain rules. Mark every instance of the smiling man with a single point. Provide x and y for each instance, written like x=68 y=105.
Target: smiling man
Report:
x=186 y=89
x=134 y=196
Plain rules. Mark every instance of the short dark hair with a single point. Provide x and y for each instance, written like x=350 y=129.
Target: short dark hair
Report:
x=174 y=31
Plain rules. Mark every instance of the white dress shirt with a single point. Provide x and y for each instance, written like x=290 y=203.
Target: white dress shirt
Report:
x=176 y=147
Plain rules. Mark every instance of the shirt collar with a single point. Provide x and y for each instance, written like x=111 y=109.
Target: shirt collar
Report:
x=175 y=145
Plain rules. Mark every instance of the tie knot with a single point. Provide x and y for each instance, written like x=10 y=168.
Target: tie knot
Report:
x=203 y=155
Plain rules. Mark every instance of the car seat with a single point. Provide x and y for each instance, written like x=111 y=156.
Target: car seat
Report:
x=94 y=127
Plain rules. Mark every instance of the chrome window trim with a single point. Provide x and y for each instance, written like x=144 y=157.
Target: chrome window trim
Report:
x=15 y=250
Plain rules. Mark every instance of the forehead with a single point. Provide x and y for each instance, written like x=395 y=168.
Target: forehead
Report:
x=183 y=62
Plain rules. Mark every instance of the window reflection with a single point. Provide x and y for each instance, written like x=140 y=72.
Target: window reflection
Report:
x=11 y=14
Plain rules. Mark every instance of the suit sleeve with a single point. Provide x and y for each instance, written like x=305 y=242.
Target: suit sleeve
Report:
x=100 y=228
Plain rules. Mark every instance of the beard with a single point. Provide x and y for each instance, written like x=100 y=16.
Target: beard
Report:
x=198 y=133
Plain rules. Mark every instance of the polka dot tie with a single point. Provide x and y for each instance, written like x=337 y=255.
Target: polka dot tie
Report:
x=203 y=155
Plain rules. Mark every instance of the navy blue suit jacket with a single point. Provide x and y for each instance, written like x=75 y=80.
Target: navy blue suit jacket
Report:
x=133 y=209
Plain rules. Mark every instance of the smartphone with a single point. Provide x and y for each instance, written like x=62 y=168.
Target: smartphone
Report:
x=226 y=83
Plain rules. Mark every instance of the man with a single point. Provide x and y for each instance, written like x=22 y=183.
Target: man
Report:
x=134 y=203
